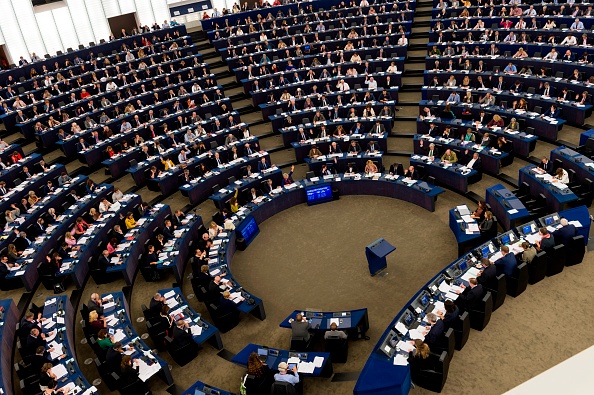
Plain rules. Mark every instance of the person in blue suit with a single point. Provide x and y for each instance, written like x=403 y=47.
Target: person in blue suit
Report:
x=507 y=263
x=552 y=112
x=435 y=330
x=565 y=233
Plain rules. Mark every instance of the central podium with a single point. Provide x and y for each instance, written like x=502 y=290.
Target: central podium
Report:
x=376 y=253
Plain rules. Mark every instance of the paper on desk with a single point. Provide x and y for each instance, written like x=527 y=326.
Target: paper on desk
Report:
x=169 y=294
x=405 y=346
x=293 y=360
x=577 y=224
x=415 y=334
x=318 y=362
x=451 y=295
x=49 y=324
x=60 y=320
x=533 y=238
x=468 y=218
x=334 y=321
x=60 y=371
x=306 y=367
x=91 y=390
x=472 y=272
x=171 y=303
x=400 y=327
x=146 y=371
x=444 y=287
x=400 y=360
x=512 y=211
x=463 y=210
x=196 y=330
x=119 y=335
x=108 y=305
x=50 y=302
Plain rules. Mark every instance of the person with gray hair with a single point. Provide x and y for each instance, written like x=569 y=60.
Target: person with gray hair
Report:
x=282 y=374
x=156 y=304
x=435 y=328
x=181 y=334
x=565 y=233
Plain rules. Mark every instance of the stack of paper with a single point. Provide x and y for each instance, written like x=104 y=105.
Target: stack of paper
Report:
x=400 y=360
x=306 y=367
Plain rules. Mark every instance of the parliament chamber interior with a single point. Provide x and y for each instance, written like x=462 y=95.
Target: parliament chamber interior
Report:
x=362 y=197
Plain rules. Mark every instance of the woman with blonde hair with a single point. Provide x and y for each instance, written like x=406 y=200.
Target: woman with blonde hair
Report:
x=32 y=199
x=370 y=167
x=213 y=230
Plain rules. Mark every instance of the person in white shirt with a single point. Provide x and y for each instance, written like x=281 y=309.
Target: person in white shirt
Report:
x=471 y=163
x=189 y=137
x=530 y=11
x=117 y=195
x=34 y=57
x=104 y=205
x=569 y=40
x=129 y=56
x=552 y=55
x=521 y=24
x=371 y=83
x=364 y=3
x=182 y=157
x=392 y=68
x=561 y=176
x=510 y=38
x=343 y=86
x=196 y=88
x=111 y=86
x=403 y=40
x=577 y=25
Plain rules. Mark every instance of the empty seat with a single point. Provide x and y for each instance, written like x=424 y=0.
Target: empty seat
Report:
x=461 y=328
x=517 y=282
x=576 y=251
x=481 y=315
x=498 y=289
x=537 y=268
x=556 y=260
x=432 y=373
x=338 y=349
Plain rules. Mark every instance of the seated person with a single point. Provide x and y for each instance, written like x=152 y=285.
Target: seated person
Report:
x=449 y=316
x=95 y=322
x=334 y=333
x=471 y=296
x=487 y=274
x=300 y=328
x=487 y=223
x=282 y=374
x=435 y=328
x=181 y=334
x=259 y=377
x=507 y=263
x=449 y=156
x=565 y=233
x=113 y=357
x=155 y=305
x=104 y=339
x=547 y=241
x=128 y=370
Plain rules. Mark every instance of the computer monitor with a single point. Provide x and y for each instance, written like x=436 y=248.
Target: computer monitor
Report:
x=388 y=346
x=319 y=194
x=485 y=251
x=263 y=354
x=549 y=221
x=425 y=299
x=408 y=318
x=527 y=229
x=463 y=265
x=248 y=229
x=505 y=239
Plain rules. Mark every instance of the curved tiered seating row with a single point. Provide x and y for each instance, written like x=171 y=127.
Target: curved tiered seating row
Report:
x=123 y=160
x=58 y=327
x=67 y=212
x=170 y=180
x=94 y=240
x=174 y=256
x=68 y=141
x=386 y=370
x=294 y=25
x=200 y=188
x=133 y=245
x=116 y=312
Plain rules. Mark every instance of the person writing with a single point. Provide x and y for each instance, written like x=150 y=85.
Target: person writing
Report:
x=449 y=156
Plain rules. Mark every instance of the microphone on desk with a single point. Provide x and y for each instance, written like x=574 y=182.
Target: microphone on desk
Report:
x=506 y=204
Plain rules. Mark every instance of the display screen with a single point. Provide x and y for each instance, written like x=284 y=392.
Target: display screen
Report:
x=425 y=299
x=485 y=251
x=248 y=229
x=505 y=239
x=549 y=221
x=527 y=229
x=463 y=265
x=319 y=194
x=408 y=319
